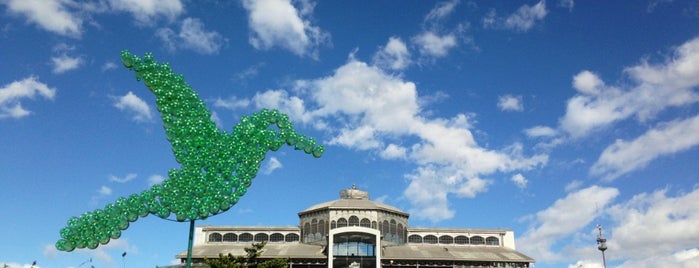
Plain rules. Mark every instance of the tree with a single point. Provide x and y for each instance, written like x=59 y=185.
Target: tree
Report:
x=250 y=260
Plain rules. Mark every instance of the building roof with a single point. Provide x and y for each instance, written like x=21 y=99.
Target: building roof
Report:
x=353 y=199
x=462 y=253
x=271 y=250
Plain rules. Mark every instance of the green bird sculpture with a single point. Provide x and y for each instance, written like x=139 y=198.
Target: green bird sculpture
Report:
x=216 y=167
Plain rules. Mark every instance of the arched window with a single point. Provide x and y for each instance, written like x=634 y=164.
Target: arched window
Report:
x=384 y=228
x=260 y=237
x=401 y=234
x=321 y=227
x=365 y=223
x=276 y=237
x=306 y=229
x=245 y=237
x=477 y=240
x=446 y=239
x=230 y=237
x=415 y=239
x=373 y=225
x=333 y=224
x=353 y=221
x=393 y=228
x=215 y=237
x=493 y=241
x=314 y=226
x=461 y=240
x=342 y=222
x=291 y=238
x=430 y=239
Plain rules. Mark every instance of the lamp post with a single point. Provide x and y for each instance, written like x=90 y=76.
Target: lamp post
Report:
x=601 y=244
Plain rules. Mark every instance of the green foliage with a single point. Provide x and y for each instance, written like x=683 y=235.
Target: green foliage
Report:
x=250 y=260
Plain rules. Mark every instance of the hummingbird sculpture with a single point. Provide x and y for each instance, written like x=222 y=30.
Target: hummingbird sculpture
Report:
x=216 y=167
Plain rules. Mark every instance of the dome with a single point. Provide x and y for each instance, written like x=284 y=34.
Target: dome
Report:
x=353 y=199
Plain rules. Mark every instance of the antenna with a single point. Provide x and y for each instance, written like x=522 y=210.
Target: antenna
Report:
x=601 y=244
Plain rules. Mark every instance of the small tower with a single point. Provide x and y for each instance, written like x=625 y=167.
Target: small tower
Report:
x=601 y=244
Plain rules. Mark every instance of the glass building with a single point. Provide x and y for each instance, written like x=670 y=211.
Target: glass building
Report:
x=355 y=232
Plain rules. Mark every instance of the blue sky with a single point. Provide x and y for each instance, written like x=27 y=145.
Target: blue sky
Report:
x=545 y=117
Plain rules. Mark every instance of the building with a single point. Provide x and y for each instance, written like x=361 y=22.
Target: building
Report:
x=355 y=232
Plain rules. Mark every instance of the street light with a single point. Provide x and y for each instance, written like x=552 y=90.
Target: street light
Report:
x=601 y=244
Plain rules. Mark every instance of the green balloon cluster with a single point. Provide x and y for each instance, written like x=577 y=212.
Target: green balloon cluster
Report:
x=216 y=167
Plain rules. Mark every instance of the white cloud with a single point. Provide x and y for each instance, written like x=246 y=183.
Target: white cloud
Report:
x=526 y=16
x=28 y=88
x=64 y=63
x=51 y=15
x=564 y=218
x=394 y=56
x=131 y=102
x=573 y=185
x=155 y=179
x=127 y=178
x=520 y=181
x=272 y=164
x=510 y=103
x=109 y=66
x=569 y=4
x=522 y=20
x=623 y=157
x=657 y=87
x=192 y=36
x=278 y=23
x=540 y=131
x=441 y=10
x=147 y=11
x=231 y=103
x=670 y=225
x=681 y=259
x=430 y=44
x=104 y=191
x=375 y=109
x=586 y=264
x=20 y=265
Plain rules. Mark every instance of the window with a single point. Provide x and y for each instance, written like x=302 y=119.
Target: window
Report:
x=365 y=223
x=430 y=239
x=333 y=225
x=342 y=222
x=314 y=226
x=306 y=229
x=276 y=237
x=373 y=225
x=260 y=237
x=415 y=239
x=245 y=237
x=461 y=240
x=215 y=237
x=321 y=227
x=493 y=241
x=384 y=228
x=393 y=228
x=445 y=239
x=291 y=238
x=230 y=237
x=401 y=234
x=477 y=240
x=353 y=221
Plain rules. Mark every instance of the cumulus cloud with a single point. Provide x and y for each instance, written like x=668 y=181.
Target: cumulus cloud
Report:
x=377 y=109
x=521 y=20
x=271 y=165
x=155 y=179
x=520 y=181
x=51 y=15
x=510 y=103
x=132 y=103
x=28 y=88
x=540 y=131
x=626 y=156
x=127 y=178
x=278 y=23
x=147 y=11
x=657 y=87
x=564 y=218
x=393 y=56
x=64 y=63
x=192 y=36
x=441 y=10
x=433 y=45
x=232 y=103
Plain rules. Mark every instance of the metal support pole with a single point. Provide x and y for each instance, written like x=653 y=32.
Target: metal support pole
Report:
x=190 y=244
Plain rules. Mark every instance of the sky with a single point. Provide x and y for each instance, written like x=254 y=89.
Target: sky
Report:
x=544 y=117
